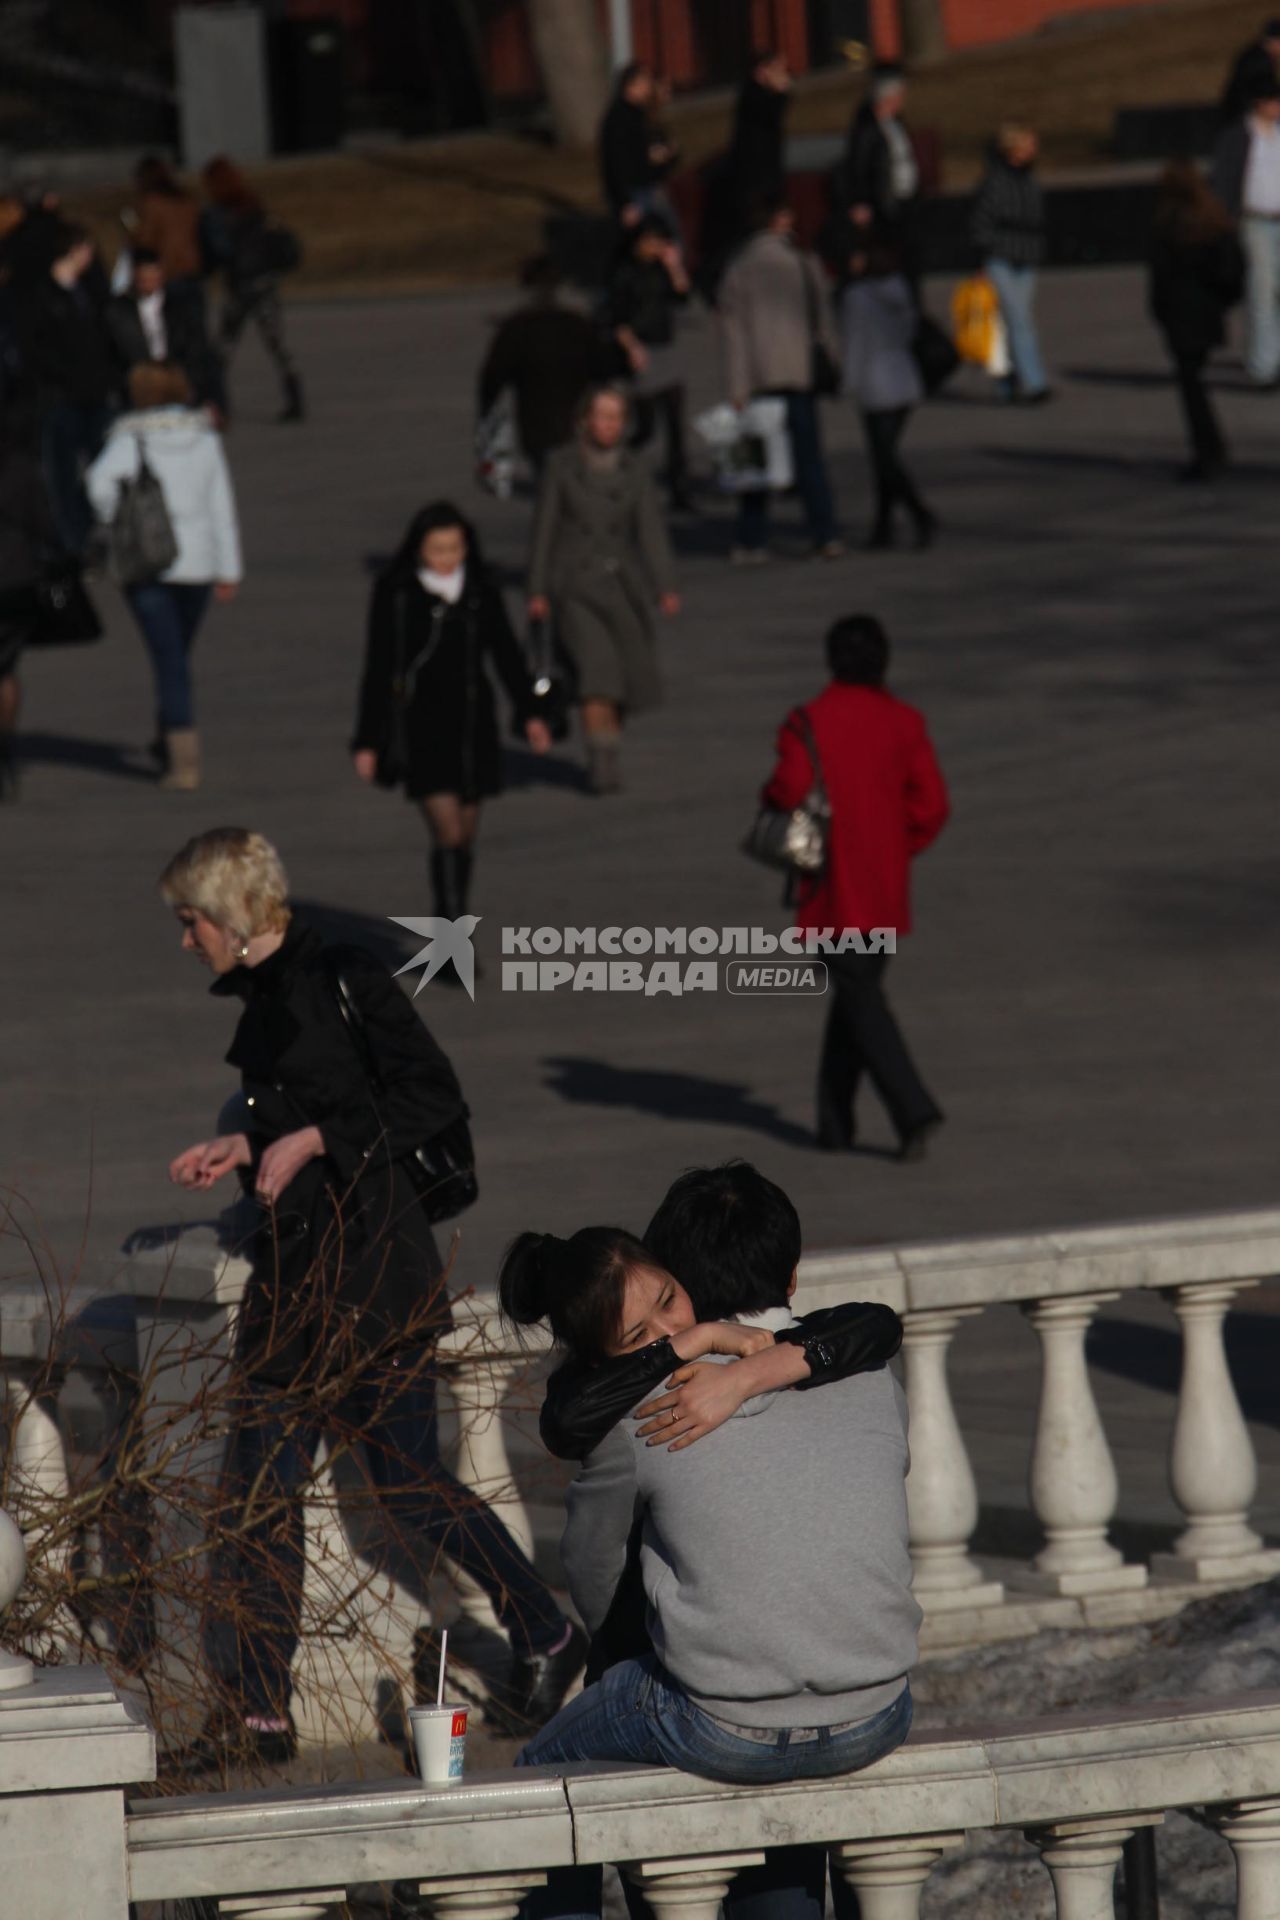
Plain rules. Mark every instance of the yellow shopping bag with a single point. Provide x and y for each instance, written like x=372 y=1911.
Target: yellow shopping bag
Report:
x=975 y=320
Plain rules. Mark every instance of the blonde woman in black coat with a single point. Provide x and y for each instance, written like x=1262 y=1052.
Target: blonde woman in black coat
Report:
x=427 y=720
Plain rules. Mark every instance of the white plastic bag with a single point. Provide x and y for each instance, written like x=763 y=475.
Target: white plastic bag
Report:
x=751 y=449
x=496 y=450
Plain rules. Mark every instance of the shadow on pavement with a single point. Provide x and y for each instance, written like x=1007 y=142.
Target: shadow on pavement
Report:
x=97 y=756
x=672 y=1096
x=1152 y=1357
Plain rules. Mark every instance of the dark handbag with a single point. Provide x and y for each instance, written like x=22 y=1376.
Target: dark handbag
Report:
x=796 y=841
x=824 y=372
x=55 y=609
x=443 y=1168
x=551 y=682
x=935 y=353
x=141 y=540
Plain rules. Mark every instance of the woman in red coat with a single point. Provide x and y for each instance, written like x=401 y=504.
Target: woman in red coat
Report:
x=888 y=802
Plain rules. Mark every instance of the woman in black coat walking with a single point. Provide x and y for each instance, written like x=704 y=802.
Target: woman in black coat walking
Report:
x=27 y=537
x=342 y=1084
x=1197 y=276
x=426 y=720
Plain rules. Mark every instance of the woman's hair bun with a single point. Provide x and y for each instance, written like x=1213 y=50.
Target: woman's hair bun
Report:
x=525 y=1284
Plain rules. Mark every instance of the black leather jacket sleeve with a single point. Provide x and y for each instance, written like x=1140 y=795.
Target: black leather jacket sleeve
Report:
x=583 y=1403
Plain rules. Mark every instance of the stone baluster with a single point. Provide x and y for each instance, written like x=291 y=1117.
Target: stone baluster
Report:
x=480 y=1896
x=282 y=1906
x=1213 y=1470
x=15 y=1669
x=1252 y=1827
x=942 y=1494
x=1082 y=1857
x=479 y=1385
x=689 y=1889
x=1073 y=1483
x=887 y=1875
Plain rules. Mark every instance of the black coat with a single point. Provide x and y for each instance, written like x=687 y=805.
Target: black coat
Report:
x=866 y=174
x=1193 y=285
x=756 y=151
x=187 y=341
x=1252 y=74
x=548 y=355
x=642 y=297
x=1230 y=162
x=627 y=165
x=426 y=680
x=346 y=1261
x=27 y=537
x=63 y=342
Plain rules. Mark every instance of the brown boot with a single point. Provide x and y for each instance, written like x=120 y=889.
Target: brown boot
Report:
x=183 y=772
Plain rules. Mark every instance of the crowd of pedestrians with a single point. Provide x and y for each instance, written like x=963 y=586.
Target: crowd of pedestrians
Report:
x=673 y=1550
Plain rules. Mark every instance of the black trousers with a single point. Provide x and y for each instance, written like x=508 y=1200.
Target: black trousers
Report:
x=668 y=405
x=862 y=1035
x=1207 y=444
x=893 y=483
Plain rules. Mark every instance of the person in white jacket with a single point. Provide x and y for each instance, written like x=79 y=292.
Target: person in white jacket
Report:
x=184 y=451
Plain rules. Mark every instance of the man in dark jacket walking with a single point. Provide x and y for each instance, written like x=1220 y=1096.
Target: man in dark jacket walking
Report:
x=879 y=180
x=1246 y=178
x=757 y=164
x=155 y=322
x=1009 y=230
x=1254 y=69
x=547 y=354
x=888 y=803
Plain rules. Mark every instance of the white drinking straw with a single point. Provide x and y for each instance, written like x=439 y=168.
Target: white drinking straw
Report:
x=444 y=1644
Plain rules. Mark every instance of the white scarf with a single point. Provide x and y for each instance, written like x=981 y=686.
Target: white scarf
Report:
x=446 y=586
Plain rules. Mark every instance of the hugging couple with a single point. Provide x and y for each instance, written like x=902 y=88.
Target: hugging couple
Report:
x=735 y=1544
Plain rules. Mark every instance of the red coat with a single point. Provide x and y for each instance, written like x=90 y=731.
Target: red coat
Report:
x=888 y=801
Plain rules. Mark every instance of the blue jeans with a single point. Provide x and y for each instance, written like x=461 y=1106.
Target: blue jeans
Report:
x=426 y=1508
x=1261 y=242
x=1016 y=289
x=638 y=1714
x=811 y=480
x=169 y=614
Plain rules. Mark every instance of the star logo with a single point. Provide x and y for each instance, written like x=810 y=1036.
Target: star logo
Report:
x=446 y=940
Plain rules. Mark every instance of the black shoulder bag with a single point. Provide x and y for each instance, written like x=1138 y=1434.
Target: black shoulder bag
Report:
x=796 y=841
x=443 y=1168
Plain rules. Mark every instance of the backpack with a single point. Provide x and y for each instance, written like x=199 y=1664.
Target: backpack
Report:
x=142 y=542
x=975 y=320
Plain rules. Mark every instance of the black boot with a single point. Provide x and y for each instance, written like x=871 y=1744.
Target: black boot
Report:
x=536 y=1686
x=466 y=860
x=449 y=899
x=8 y=768
x=293 y=404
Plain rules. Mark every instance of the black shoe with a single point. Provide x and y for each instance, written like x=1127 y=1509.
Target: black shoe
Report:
x=293 y=404
x=536 y=1686
x=926 y=529
x=914 y=1143
x=1196 y=472
x=224 y=1741
x=8 y=769
x=1040 y=398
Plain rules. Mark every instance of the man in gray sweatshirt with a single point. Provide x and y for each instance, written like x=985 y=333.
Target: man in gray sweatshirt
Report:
x=775 y=1563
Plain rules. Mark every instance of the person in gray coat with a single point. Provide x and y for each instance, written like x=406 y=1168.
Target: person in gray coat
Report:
x=600 y=559
x=878 y=319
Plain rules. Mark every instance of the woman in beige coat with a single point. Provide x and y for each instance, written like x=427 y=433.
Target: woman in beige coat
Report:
x=600 y=560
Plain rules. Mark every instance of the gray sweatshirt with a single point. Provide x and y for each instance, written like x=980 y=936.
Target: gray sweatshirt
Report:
x=774 y=1553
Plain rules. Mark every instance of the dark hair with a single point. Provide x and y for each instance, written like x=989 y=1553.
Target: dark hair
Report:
x=144 y=257
x=435 y=518
x=764 y=208
x=154 y=175
x=729 y=1236
x=1187 y=209
x=64 y=237
x=1266 y=88
x=648 y=227
x=227 y=187
x=575 y=1287
x=629 y=73
x=540 y=272
x=858 y=650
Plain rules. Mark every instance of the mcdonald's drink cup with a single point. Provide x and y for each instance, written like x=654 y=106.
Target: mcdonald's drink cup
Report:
x=439 y=1742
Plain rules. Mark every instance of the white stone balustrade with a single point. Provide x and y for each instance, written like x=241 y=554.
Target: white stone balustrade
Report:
x=1077 y=1785
x=1198 y=1265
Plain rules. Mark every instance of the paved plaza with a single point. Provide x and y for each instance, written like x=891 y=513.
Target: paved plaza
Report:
x=1092 y=991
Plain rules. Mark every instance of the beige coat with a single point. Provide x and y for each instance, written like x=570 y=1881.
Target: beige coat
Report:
x=773 y=303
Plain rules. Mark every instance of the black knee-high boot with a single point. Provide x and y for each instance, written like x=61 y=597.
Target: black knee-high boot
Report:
x=446 y=882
